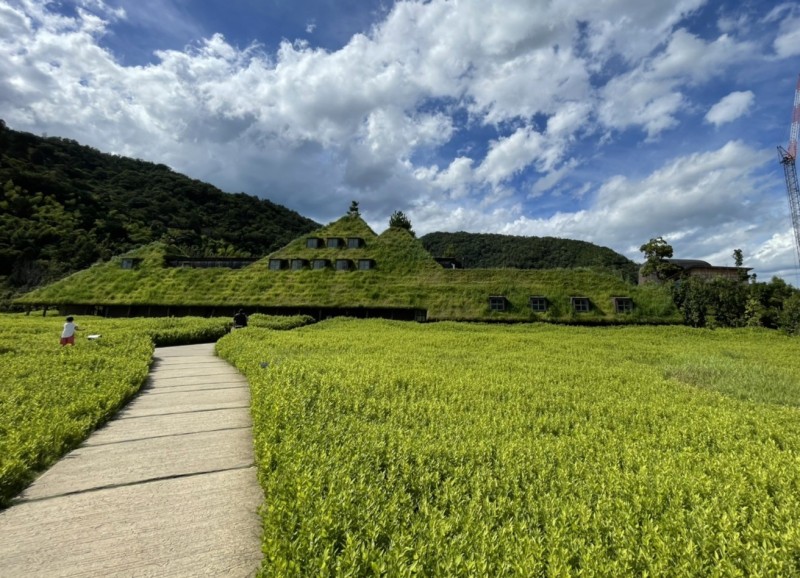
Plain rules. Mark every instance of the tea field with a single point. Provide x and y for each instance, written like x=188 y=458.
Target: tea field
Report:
x=531 y=450
x=52 y=397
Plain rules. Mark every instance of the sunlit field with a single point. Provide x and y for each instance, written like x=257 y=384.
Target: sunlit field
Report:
x=52 y=397
x=535 y=450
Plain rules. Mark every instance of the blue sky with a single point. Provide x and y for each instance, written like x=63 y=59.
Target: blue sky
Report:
x=611 y=122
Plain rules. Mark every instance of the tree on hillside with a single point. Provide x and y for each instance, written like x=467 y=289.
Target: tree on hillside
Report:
x=353 y=210
x=656 y=252
x=398 y=219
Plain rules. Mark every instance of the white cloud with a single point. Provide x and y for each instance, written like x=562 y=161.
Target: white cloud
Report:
x=704 y=204
x=651 y=96
x=508 y=156
x=500 y=64
x=787 y=43
x=638 y=100
x=457 y=179
x=552 y=178
x=502 y=95
x=776 y=256
x=730 y=108
x=694 y=59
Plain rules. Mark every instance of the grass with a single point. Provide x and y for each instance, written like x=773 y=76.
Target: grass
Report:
x=53 y=397
x=538 y=450
x=406 y=277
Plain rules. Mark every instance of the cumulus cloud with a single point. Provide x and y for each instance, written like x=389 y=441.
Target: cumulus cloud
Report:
x=457 y=112
x=788 y=41
x=704 y=204
x=652 y=95
x=730 y=108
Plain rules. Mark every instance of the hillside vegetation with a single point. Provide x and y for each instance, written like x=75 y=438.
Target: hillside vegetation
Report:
x=489 y=250
x=405 y=276
x=452 y=449
x=64 y=206
x=53 y=397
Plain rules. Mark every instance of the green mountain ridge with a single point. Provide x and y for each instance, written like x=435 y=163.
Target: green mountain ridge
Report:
x=492 y=250
x=68 y=212
x=65 y=206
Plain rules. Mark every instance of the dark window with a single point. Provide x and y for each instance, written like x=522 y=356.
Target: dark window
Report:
x=366 y=264
x=319 y=263
x=623 y=304
x=581 y=304
x=314 y=243
x=128 y=264
x=276 y=264
x=497 y=303
x=335 y=243
x=343 y=264
x=539 y=304
x=298 y=264
x=355 y=243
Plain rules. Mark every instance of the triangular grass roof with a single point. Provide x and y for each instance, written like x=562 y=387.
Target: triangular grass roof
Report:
x=405 y=275
x=395 y=251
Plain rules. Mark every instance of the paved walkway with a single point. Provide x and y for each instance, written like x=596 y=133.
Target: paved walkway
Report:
x=168 y=488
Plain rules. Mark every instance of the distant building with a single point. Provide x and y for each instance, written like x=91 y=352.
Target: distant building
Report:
x=698 y=268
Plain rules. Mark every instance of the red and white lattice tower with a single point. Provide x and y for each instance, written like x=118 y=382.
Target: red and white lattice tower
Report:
x=787 y=158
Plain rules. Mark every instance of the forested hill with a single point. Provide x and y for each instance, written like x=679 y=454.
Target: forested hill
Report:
x=482 y=250
x=64 y=206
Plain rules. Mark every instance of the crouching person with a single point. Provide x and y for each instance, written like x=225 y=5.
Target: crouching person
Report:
x=240 y=320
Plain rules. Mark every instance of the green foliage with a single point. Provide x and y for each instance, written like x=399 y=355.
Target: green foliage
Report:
x=406 y=276
x=721 y=302
x=401 y=221
x=656 y=252
x=738 y=257
x=790 y=316
x=729 y=301
x=471 y=450
x=279 y=322
x=488 y=251
x=64 y=206
x=53 y=397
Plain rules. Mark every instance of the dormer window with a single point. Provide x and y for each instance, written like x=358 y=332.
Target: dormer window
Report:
x=314 y=243
x=538 y=304
x=344 y=264
x=355 y=242
x=623 y=304
x=334 y=243
x=497 y=302
x=580 y=304
x=299 y=264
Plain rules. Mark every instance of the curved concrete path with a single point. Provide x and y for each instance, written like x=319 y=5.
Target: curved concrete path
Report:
x=167 y=488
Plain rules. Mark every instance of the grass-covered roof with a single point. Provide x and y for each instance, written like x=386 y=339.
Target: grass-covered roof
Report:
x=405 y=275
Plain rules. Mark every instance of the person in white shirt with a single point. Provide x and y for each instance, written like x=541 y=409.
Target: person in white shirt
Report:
x=68 y=334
